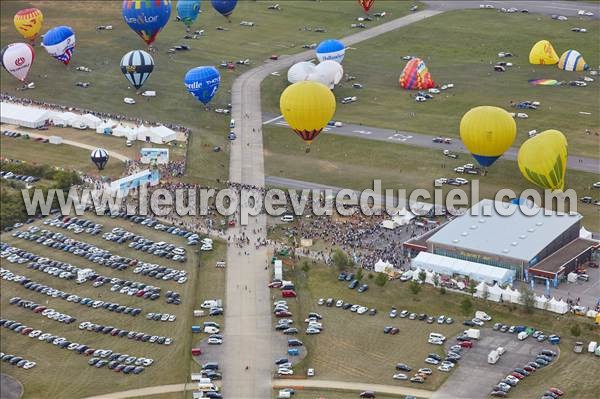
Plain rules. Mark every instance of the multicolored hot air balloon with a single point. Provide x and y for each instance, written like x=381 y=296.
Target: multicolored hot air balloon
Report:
x=572 y=60
x=187 y=11
x=307 y=107
x=331 y=49
x=137 y=66
x=487 y=132
x=203 y=82
x=28 y=22
x=59 y=42
x=99 y=157
x=17 y=59
x=416 y=76
x=542 y=53
x=224 y=7
x=147 y=17
x=366 y=4
x=543 y=159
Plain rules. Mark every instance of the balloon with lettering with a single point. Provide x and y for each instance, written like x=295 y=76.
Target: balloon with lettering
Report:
x=17 y=59
x=59 y=42
x=28 y=22
x=224 y=7
x=188 y=10
x=203 y=82
x=147 y=17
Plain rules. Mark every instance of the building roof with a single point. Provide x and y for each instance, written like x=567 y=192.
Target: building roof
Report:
x=17 y=112
x=517 y=236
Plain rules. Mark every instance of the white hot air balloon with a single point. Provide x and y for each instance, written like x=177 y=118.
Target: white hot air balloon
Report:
x=17 y=59
x=300 y=71
x=329 y=73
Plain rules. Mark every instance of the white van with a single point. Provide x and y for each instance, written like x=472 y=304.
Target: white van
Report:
x=436 y=337
x=211 y=330
x=287 y=218
x=232 y=123
x=207 y=387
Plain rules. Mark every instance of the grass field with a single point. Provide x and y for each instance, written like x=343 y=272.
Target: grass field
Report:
x=355 y=163
x=441 y=41
x=53 y=375
x=354 y=348
x=279 y=32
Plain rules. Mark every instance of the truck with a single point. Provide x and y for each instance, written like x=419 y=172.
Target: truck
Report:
x=472 y=333
x=493 y=357
x=482 y=316
x=212 y=303
x=197 y=377
x=522 y=335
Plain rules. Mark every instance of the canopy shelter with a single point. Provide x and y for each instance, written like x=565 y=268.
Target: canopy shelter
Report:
x=21 y=115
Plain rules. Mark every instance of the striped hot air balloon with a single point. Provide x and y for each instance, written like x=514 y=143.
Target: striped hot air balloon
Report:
x=28 y=22
x=137 y=65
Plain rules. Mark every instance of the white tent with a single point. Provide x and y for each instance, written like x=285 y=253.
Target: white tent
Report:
x=583 y=233
x=403 y=217
x=382 y=266
x=541 y=302
x=552 y=305
x=69 y=117
x=57 y=119
x=78 y=121
x=163 y=133
x=123 y=131
x=92 y=121
x=481 y=287
x=15 y=114
x=416 y=272
x=104 y=126
x=562 y=307
x=495 y=293
x=511 y=295
x=429 y=277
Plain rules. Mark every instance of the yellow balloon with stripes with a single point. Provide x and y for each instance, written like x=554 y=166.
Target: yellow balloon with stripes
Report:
x=543 y=159
x=487 y=132
x=28 y=22
x=307 y=107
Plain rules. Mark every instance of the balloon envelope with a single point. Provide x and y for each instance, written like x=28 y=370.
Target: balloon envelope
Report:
x=137 y=66
x=224 y=7
x=416 y=76
x=366 y=4
x=28 y=22
x=188 y=10
x=59 y=42
x=99 y=157
x=300 y=71
x=487 y=132
x=203 y=82
x=542 y=53
x=329 y=73
x=330 y=49
x=543 y=159
x=17 y=59
x=572 y=60
x=147 y=17
x=307 y=107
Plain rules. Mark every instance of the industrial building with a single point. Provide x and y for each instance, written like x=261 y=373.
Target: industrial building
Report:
x=532 y=246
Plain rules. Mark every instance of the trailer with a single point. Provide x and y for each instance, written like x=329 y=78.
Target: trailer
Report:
x=473 y=333
x=493 y=357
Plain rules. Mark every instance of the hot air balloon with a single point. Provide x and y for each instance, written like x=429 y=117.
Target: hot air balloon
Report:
x=330 y=49
x=300 y=71
x=203 y=82
x=487 y=132
x=572 y=60
x=543 y=159
x=328 y=72
x=187 y=11
x=224 y=7
x=366 y=4
x=542 y=53
x=17 y=59
x=307 y=107
x=137 y=66
x=147 y=17
x=59 y=42
x=99 y=157
x=28 y=22
x=416 y=76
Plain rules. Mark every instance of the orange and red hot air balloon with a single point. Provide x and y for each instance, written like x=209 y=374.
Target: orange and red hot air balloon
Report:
x=366 y=4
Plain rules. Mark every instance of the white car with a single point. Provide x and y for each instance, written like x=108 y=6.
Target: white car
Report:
x=447 y=364
x=362 y=310
x=128 y=100
x=435 y=341
x=433 y=90
x=354 y=308
x=215 y=341
x=400 y=376
x=284 y=371
x=444 y=369
x=339 y=303
x=586 y=13
x=310 y=372
x=420 y=99
x=29 y=365
x=487 y=6
x=431 y=360
x=312 y=330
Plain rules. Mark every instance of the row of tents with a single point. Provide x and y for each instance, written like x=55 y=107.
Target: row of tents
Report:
x=496 y=293
x=154 y=134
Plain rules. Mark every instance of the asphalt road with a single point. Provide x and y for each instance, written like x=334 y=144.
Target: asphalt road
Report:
x=424 y=140
x=546 y=7
x=10 y=387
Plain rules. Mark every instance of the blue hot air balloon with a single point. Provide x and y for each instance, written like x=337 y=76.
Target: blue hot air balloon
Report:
x=147 y=17
x=203 y=82
x=188 y=10
x=224 y=7
x=331 y=49
x=59 y=42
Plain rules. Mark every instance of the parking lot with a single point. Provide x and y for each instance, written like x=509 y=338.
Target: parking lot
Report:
x=482 y=376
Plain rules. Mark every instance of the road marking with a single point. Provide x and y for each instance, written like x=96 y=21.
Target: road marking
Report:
x=272 y=120
x=400 y=137
x=366 y=132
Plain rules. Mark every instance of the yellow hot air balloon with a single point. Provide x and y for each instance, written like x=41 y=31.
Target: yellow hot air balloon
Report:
x=307 y=107
x=542 y=53
x=487 y=132
x=28 y=22
x=543 y=159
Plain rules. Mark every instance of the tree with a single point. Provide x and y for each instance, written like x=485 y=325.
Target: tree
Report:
x=359 y=274
x=528 y=299
x=442 y=290
x=466 y=306
x=422 y=276
x=436 y=280
x=340 y=259
x=472 y=287
x=305 y=266
x=381 y=279
x=415 y=287
x=576 y=330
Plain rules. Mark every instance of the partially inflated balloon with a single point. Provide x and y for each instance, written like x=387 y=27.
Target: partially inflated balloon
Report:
x=146 y=17
x=188 y=10
x=203 y=82
x=17 y=59
x=224 y=7
x=543 y=159
x=59 y=42
x=366 y=4
x=328 y=72
x=307 y=107
x=487 y=132
x=137 y=66
x=28 y=22
x=542 y=53
x=300 y=71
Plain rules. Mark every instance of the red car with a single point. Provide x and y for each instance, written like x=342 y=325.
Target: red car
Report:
x=89 y=351
x=517 y=375
x=288 y=294
x=394 y=331
x=39 y=309
x=26 y=331
x=557 y=391
x=274 y=284
x=196 y=351
x=140 y=293
x=529 y=369
x=466 y=344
